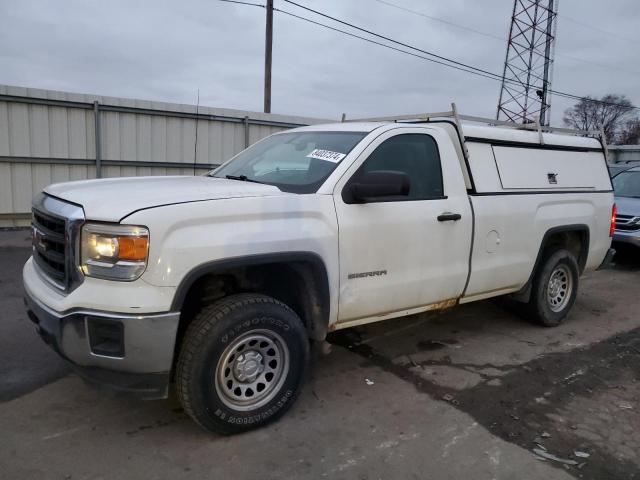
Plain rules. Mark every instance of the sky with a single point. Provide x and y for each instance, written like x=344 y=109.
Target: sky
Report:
x=168 y=50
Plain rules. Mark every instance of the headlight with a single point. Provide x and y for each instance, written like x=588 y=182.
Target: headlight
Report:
x=114 y=252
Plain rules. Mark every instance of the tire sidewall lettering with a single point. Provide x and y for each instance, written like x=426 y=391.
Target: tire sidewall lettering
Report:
x=265 y=321
x=237 y=418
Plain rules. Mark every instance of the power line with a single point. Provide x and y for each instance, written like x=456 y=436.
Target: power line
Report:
x=441 y=60
x=426 y=52
x=489 y=76
x=598 y=64
x=442 y=20
x=470 y=29
x=452 y=63
x=379 y=43
x=242 y=3
x=598 y=29
x=497 y=37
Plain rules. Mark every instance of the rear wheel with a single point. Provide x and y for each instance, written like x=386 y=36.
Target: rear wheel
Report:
x=554 y=288
x=242 y=363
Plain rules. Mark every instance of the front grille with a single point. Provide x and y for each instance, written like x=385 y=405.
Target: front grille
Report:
x=627 y=223
x=49 y=250
x=56 y=229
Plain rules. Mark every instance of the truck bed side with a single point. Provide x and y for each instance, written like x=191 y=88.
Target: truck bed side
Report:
x=520 y=201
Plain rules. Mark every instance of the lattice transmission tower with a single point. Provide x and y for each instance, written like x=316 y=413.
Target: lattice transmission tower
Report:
x=526 y=79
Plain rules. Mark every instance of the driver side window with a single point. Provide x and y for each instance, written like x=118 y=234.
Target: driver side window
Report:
x=414 y=154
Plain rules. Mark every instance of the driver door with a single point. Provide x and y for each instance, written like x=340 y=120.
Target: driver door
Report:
x=396 y=256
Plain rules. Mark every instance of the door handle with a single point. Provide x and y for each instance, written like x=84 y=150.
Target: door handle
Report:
x=449 y=217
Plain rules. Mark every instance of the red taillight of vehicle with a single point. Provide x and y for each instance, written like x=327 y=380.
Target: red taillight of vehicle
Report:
x=614 y=212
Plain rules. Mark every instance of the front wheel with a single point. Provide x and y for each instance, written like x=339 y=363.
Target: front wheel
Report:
x=242 y=363
x=554 y=288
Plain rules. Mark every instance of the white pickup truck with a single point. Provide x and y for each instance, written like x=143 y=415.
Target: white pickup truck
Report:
x=217 y=282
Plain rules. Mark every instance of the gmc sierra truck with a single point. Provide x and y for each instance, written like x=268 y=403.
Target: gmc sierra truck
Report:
x=217 y=283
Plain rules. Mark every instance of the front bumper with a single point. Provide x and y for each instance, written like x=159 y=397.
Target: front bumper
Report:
x=632 y=238
x=142 y=357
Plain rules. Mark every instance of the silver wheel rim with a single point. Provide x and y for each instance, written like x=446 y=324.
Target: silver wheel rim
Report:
x=252 y=369
x=559 y=288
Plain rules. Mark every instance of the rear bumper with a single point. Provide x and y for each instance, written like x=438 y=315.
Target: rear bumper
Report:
x=124 y=352
x=632 y=238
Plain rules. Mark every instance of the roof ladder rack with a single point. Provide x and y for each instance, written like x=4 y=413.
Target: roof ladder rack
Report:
x=603 y=141
x=457 y=118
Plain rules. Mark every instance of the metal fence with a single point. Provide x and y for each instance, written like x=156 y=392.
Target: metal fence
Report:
x=48 y=137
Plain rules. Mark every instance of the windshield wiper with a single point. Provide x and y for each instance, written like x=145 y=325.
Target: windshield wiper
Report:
x=242 y=178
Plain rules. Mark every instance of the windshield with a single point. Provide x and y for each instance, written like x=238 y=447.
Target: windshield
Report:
x=627 y=184
x=297 y=162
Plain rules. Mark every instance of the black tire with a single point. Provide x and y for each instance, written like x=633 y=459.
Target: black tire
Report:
x=547 y=305
x=211 y=392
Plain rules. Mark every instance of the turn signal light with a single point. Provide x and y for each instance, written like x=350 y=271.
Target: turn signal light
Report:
x=133 y=248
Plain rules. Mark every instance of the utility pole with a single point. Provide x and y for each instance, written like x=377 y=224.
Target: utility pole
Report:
x=267 y=57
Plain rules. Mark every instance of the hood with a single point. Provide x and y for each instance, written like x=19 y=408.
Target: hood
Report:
x=114 y=198
x=628 y=206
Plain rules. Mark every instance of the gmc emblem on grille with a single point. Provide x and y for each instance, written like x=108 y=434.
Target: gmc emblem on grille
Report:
x=38 y=240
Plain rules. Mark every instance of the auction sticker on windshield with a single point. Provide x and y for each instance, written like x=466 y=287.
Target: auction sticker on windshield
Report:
x=327 y=155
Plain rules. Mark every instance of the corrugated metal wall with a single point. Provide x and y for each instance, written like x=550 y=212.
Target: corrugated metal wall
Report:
x=48 y=137
x=624 y=153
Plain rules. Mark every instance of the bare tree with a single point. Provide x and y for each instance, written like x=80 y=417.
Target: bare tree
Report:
x=608 y=113
x=630 y=134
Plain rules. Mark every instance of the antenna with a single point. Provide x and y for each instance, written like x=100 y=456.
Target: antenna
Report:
x=195 y=144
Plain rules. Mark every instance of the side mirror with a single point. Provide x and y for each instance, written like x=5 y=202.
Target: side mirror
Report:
x=379 y=184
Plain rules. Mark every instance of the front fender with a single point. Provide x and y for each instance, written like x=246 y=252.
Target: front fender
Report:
x=186 y=238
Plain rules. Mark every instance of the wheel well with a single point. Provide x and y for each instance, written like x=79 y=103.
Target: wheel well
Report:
x=300 y=284
x=574 y=238
x=575 y=241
